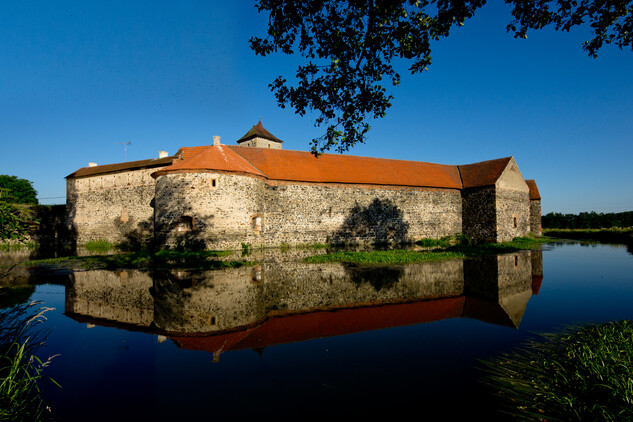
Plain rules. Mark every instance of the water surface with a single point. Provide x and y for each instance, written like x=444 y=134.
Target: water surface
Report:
x=294 y=340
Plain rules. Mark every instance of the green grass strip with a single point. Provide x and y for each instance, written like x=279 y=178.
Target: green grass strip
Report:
x=405 y=256
x=396 y=256
x=583 y=373
x=102 y=246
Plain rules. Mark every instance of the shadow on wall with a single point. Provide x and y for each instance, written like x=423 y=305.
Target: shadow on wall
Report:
x=52 y=231
x=136 y=235
x=176 y=224
x=176 y=236
x=379 y=222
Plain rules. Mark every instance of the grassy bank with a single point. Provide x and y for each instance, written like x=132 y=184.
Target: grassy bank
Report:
x=611 y=235
x=580 y=374
x=18 y=246
x=143 y=260
x=440 y=253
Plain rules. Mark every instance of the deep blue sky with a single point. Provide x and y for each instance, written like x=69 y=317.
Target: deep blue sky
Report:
x=77 y=78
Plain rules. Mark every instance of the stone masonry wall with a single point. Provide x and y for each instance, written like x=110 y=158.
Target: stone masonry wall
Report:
x=112 y=207
x=201 y=302
x=233 y=298
x=512 y=206
x=535 y=217
x=479 y=214
x=121 y=296
x=222 y=211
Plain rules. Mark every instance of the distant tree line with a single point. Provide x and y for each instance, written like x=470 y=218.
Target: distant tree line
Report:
x=587 y=220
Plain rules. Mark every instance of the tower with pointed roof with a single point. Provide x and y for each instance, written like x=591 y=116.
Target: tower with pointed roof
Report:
x=259 y=137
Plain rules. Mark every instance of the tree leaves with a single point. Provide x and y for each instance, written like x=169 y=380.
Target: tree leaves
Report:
x=351 y=45
x=17 y=191
x=611 y=21
x=15 y=222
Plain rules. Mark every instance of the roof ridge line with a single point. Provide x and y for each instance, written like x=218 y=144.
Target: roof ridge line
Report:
x=461 y=180
x=249 y=163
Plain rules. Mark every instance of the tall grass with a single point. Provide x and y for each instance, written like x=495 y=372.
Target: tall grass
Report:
x=99 y=246
x=18 y=246
x=20 y=370
x=580 y=374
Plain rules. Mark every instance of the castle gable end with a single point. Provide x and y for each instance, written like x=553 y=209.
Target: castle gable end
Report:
x=512 y=179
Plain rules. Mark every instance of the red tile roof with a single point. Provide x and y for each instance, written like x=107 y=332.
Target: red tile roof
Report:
x=188 y=152
x=126 y=166
x=534 y=193
x=292 y=328
x=218 y=157
x=299 y=166
x=485 y=173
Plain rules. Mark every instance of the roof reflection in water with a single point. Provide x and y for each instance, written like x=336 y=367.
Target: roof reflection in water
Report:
x=255 y=307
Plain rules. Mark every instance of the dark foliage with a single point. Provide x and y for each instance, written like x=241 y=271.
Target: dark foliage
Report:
x=610 y=21
x=350 y=47
x=587 y=220
x=17 y=191
x=15 y=220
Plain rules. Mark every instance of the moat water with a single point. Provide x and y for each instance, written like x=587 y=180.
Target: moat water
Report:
x=304 y=341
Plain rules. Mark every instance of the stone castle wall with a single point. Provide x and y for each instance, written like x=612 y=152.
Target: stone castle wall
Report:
x=233 y=298
x=535 y=217
x=225 y=210
x=513 y=214
x=218 y=210
x=479 y=214
x=203 y=302
x=111 y=207
x=513 y=204
x=122 y=296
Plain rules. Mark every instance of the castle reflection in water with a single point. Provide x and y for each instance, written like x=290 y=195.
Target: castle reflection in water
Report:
x=274 y=303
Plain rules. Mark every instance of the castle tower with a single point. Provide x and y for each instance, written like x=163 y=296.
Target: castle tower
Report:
x=258 y=137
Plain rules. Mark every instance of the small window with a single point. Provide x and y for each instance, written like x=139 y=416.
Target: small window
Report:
x=514 y=221
x=124 y=215
x=213 y=183
x=516 y=260
x=185 y=223
x=256 y=222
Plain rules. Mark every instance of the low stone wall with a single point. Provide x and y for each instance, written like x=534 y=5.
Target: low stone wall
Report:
x=222 y=211
x=113 y=207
